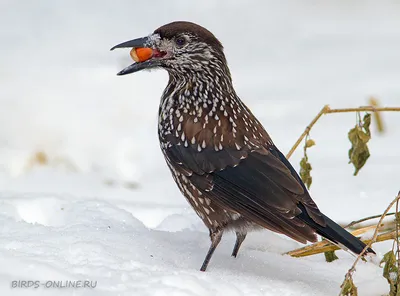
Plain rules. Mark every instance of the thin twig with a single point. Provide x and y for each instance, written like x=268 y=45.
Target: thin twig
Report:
x=366 y=219
x=363 y=108
x=307 y=130
x=368 y=245
x=327 y=110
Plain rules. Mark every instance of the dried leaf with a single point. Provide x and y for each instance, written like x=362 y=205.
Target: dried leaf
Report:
x=305 y=171
x=330 y=256
x=310 y=143
x=390 y=260
x=348 y=288
x=390 y=271
x=359 y=137
x=367 y=123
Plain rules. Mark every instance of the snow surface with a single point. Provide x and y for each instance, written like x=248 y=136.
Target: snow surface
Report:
x=105 y=208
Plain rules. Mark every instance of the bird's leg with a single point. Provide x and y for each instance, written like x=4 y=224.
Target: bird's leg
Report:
x=215 y=236
x=240 y=236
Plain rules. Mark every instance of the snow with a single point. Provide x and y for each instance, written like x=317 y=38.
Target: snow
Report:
x=105 y=207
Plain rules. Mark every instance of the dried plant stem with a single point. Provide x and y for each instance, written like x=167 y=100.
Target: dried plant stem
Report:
x=364 y=108
x=359 y=231
x=366 y=219
x=349 y=274
x=327 y=110
x=326 y=246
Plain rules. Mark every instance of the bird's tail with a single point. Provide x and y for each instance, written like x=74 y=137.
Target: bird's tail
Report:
x=344 y=239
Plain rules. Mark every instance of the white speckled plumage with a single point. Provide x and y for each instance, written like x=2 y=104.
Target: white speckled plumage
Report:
x=220 y=156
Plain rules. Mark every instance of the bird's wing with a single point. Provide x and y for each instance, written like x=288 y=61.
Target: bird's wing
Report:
x=254 y=189
x=247 y=175
x=262 y=189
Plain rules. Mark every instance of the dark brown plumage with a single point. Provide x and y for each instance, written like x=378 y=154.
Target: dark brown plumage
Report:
x=220 y=156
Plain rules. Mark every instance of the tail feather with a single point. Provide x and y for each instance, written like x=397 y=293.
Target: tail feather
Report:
x=335 y=233
x=338 y=235
x=331 y=231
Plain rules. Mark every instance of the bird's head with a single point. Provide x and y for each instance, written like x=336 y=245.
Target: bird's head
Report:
x=179 y=47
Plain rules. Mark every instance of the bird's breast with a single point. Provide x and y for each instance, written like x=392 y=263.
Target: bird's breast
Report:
x=207 y=128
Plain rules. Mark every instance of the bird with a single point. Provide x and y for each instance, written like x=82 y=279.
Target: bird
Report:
x=220 y=155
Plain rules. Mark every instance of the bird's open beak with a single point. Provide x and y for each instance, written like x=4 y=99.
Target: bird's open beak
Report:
x=145 y=42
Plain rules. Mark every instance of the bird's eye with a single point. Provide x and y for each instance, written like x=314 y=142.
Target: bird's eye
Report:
x=180 y=41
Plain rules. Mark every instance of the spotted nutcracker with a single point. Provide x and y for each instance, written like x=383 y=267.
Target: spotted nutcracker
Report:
x=219 y=154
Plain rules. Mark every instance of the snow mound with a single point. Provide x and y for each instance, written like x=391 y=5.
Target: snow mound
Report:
x=61 y=238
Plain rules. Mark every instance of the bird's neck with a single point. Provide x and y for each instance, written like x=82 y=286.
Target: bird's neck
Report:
x=195 y=108
x=188 y=91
